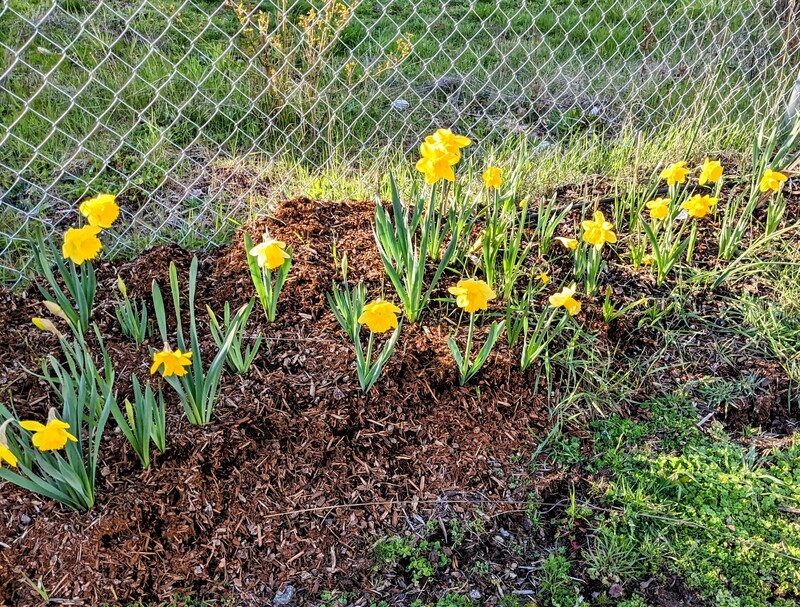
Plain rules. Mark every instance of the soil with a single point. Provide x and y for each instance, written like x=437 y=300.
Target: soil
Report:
x=299 y=473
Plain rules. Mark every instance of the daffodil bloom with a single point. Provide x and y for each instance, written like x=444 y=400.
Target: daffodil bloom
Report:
x=448 y=140
x=379 y=316
x=566 y=298
x=6 y=455
x=598 y=231
x=270 y=253
x=493 y=178
x=81 y=244
x=436 y=163
x=659 y=208
x=544 y=277
x=699 y=206
x=772 y=180
x=569 y=243
x=710 y=172
x=55 y=309
x=45 y=324
x=675 y=173
x=647 y=259
x=50 y=437
x=100 y=211
x=174 y=361
x=472 y=295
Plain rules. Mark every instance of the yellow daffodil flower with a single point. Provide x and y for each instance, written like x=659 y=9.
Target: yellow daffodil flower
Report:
x=675 y=173
x=379 y=316
x=436 y=163
x=772 y=180
x=569 y=243
x=50 y=437
x=81 y=244
x=100 y=211
x=659 y=208
x=647 y=260
x=6 y=455
x=598 y=231
x=472 y=295
x=566 y=298
x=699 y=206
x=493 y=178
x=174 y=361
x=544 y=277
x=448 y=140
x=270 y=253
x=45 y=324
x=710 y=172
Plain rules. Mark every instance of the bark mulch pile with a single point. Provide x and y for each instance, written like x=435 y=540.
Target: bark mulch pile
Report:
x=299 y=474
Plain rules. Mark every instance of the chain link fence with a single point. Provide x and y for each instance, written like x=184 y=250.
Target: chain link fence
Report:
x=197 y=111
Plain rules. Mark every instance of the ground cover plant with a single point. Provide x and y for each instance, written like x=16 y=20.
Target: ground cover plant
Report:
x=456 y=394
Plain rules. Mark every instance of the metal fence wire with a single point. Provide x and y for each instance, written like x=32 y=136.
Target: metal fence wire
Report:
x=193 y=110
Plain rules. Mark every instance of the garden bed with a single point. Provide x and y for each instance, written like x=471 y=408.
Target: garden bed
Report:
x=300 y=474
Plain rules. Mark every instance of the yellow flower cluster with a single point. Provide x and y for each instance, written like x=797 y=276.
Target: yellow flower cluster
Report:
x=82 y=244
x=439 y=153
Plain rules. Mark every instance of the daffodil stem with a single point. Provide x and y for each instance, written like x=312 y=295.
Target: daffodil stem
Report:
x=466 y=362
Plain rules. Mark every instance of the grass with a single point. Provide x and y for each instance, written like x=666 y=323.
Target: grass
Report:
x=155 y=102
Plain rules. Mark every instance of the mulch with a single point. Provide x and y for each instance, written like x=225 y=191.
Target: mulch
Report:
x=299 y=473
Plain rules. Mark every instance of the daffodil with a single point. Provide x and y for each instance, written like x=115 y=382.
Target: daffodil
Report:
x=659 y=208
x=270 y=253
x=647 y=260
x=49 y=437
x=379 y=316
x=598 y=231
x=101 y=211
x=55 y=310
x=174 y=361
x=472 y=295
x=81 y=244
x=544 y=277
x=710 y=172
x=44 y=324
x=569 y=243
x=436 y=163
x=699 y=206
x=772 y=180
x=449 y=141
x=675 y=173
x=493 y=178
x=567 y=299
x=6 y=455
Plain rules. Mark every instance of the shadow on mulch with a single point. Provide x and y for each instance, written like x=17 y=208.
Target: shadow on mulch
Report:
x=299 y=473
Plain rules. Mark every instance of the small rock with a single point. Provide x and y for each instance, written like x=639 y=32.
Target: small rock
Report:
x=542 y=147
x=199 y=570
x=400 y=104
x=25 y=519
x=285 y=596
x=474 y=594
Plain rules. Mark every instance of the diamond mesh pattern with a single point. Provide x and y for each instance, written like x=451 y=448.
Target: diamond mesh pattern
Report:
x=200 y=111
